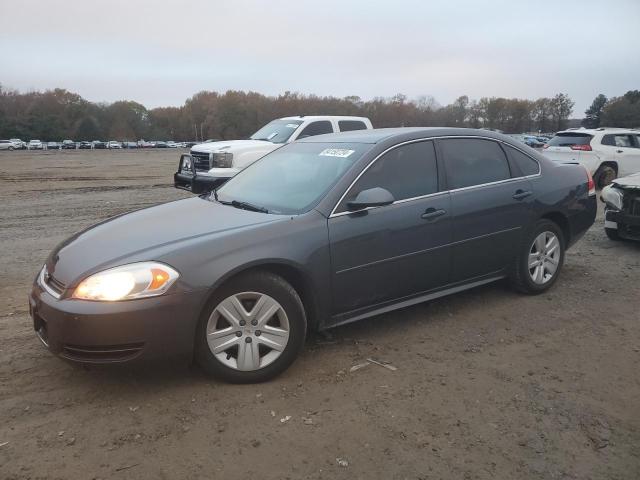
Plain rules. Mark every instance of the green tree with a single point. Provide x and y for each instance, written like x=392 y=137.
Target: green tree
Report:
x=594 y=112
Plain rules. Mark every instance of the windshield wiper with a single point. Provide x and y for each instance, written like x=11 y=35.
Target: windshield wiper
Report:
x=248 y=206
x=244 y=205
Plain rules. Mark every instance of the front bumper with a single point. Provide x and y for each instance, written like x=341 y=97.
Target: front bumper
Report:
x=628 y=226
x=188 y=178
x=115 y=332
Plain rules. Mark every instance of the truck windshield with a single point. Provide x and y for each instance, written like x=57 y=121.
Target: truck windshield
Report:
x=277 y=131
x=292 y=179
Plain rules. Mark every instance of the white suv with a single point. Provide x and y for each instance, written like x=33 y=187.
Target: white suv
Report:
x=607 y=153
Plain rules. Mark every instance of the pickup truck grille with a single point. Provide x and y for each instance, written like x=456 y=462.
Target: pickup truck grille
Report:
x=200 y=161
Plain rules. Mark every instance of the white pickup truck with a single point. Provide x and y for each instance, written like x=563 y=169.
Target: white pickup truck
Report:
x=209 y=165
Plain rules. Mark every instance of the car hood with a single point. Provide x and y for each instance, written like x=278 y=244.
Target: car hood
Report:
x=234 y=145
x=146 y=234
x=630 y=181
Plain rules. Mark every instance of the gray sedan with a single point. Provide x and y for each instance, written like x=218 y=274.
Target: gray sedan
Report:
x=318 y=233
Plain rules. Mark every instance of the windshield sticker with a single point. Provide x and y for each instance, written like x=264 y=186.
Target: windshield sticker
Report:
x=336 y=152
x=292 y=125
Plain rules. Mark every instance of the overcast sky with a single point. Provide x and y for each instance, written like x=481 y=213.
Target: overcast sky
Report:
x=161 y=52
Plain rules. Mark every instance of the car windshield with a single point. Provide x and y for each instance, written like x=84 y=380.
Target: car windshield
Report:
x=277 y=131
x=569 y=139
x=292 y=179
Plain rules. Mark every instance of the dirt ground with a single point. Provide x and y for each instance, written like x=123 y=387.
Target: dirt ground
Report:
x=489 y=384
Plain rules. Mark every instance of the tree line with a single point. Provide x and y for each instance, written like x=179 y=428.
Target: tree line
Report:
x=623 y=111
x=59 y=114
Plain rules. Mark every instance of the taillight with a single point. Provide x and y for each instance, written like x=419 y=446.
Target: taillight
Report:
x=584 y=148
x=545 y=146
x=591 y=185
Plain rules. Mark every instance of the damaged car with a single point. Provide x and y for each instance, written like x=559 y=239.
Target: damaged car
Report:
x=622 y=208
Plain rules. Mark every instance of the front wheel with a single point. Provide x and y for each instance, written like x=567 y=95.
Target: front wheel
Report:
x=540 y=259
x=251 y=330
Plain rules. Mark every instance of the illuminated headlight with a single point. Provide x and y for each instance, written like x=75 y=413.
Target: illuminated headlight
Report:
x=222 y=159
x=128 y=282
x=612 y=197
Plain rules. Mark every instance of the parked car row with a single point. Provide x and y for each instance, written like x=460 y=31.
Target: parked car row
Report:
x=17 y=144
x=534 y=141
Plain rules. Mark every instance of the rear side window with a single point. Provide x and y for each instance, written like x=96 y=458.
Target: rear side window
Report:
x=316 y=128
x=608 y=140
x=524 y=163
x=570 y=138
x=407 y=171
x=624 y=141
x=471 y=162
x=349 y=125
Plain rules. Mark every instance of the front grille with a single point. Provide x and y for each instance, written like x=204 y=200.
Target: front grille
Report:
x=200 y=161
x=102 y=353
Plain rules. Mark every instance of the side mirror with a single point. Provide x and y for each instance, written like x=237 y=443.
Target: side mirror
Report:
x=372 y=197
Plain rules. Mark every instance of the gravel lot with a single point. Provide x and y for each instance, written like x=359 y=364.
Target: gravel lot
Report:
x=489 y=384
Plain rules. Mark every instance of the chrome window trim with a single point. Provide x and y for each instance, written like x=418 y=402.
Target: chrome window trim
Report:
x=44 y=285
x=339 y=214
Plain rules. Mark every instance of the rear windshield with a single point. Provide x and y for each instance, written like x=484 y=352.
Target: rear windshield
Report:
x=569 y=139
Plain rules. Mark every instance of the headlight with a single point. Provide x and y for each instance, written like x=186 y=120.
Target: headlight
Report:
x=222 y=160
x=186 y=163
x=136 y=280
x=612 y=197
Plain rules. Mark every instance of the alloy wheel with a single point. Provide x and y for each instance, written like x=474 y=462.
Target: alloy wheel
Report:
x=247 y=331
x=544 y=257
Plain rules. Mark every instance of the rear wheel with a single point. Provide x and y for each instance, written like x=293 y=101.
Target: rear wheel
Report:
x=540 y=259
x=604 y=176
x=252 y=329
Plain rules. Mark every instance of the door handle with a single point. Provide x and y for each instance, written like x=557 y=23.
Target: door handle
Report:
x=520 y=194
x=432 y=214
x=619 y=151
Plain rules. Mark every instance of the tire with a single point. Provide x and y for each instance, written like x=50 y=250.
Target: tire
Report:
x=11 y=149
x=526 y=278
x=612 y=233
x=604 y=176
x=247 y=357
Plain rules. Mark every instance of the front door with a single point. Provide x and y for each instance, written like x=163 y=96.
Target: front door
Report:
x=394 y=251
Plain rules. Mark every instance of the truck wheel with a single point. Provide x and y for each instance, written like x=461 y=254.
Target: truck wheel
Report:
x=539 y=260
x=252 y=329
x=604 y=176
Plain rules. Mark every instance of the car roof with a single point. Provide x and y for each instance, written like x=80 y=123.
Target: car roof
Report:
x=595 y=131
x=322 y=117
x=378 y=135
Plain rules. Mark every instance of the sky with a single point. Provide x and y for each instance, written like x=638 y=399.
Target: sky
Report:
x=160 y=53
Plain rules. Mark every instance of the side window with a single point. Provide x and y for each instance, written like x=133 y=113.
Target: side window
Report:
x=407 y=171
x=623 y=141
x=471 y=162
x=608 y=140
x=637 y=141
x=316 y=128
x=349 y=125
x=526 y=164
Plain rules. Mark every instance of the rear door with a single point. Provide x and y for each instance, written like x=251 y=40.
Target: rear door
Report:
x=490 y=206
x=627 y=153
x=398 y=250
